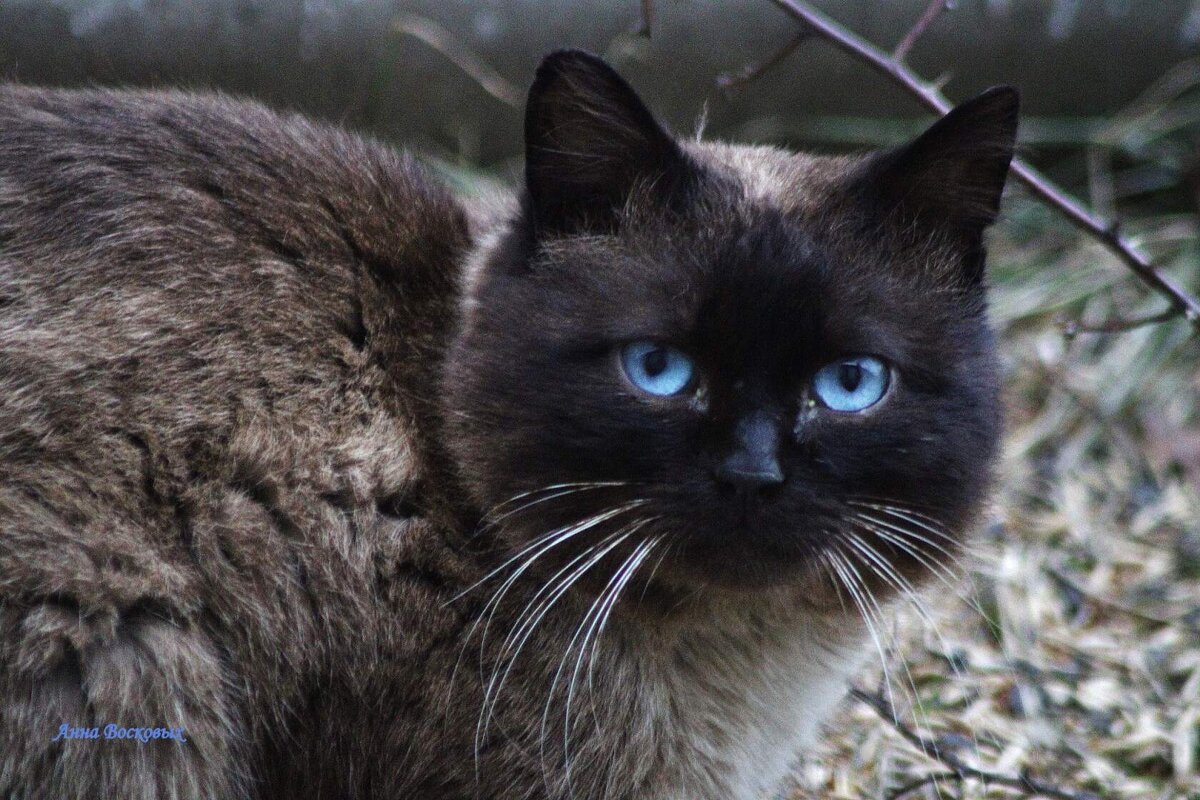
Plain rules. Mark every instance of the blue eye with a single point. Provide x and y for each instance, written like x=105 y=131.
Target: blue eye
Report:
x=656 y=369
x=852 y=384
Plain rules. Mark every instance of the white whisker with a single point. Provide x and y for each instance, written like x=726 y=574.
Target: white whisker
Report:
x=914 y=536
x=903 y=539
x=923 y=521
x=851 y=580
x=884 y=569
x=915 y=705
x=558 y=490
x=598 y=613
x=898 y=537
x=530 y=553
x=496 y=684
x=605 y=613
x=558 y=535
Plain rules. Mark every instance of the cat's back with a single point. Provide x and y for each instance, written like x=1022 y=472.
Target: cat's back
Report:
x=217 y=327
x=173 y=263
x=177 y=259
x=116 y=204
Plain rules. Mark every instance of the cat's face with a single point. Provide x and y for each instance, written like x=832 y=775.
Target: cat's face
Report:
x=768 y=365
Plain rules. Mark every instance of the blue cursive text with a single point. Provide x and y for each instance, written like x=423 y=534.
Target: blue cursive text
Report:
x=114 y=731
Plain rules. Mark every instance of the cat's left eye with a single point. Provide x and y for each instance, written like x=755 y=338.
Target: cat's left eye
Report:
x=657 y=369
x=852 y=384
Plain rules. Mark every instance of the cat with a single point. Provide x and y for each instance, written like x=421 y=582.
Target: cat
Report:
x=318 y=481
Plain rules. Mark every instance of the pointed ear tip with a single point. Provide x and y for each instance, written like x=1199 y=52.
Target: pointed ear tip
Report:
x=569 y=59
x=1003 y=98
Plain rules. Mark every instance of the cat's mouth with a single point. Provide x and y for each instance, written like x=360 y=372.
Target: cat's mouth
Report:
x=663 y=543
x=741 y=541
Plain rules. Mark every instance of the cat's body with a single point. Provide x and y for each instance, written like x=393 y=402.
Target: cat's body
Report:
x=234 y=501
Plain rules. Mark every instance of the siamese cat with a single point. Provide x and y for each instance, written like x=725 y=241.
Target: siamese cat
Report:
x=318 y=481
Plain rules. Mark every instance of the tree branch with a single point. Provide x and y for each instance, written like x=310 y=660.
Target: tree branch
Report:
x=646 y=22
x=932 y=12
x=751 y=72
x=443 y=41
x=1072 y=328
x=933 y=779
x=1107 y=233
x=959 y=770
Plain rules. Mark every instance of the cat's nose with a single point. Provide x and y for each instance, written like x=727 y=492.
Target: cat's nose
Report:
x=754 y=463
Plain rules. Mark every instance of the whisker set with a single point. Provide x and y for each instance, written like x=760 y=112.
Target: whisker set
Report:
x=585 y=640
x=907 y=530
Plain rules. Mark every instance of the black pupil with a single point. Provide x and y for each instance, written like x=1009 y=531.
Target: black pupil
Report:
x=655 y=362
x=850 y=375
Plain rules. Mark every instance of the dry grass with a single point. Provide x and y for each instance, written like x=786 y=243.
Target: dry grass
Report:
x=1072 y=648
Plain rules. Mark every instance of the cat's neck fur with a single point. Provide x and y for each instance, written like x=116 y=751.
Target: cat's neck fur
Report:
x=735 y=693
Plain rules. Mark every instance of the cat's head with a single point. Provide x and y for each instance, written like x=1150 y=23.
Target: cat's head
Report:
x=743 y=365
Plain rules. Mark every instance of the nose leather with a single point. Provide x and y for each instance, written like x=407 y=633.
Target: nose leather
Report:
x=754 y=462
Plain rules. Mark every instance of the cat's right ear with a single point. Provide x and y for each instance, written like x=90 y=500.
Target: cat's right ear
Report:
x=589 y=142
x=952 y=175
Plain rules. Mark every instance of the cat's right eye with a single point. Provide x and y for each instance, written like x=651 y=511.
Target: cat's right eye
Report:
x=657 y=369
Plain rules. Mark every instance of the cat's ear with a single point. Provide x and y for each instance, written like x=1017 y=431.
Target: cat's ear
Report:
x=589 y=141
x=952 y=176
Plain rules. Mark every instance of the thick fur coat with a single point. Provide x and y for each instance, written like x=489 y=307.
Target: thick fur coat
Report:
x=252 y=421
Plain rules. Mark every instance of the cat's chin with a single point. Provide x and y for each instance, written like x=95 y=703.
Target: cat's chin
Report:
x=696 y=567
x=747 y=556
x=682 y=590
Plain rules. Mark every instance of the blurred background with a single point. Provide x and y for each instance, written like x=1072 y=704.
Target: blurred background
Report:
x=1069 y=642
x=388 y=66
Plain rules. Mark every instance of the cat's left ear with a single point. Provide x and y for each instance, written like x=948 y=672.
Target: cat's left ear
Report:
x=951 y=177
x=589 y=141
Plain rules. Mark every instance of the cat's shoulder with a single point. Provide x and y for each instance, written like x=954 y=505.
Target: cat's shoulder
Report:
x=176 y=263
x=123 y=162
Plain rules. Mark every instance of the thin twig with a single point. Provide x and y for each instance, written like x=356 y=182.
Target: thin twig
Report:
x=1072 y=328
x=932 y=12
x=933 y=779
x=1182 y=303
x=750 y=72
x=1065 y=582
x=443 y=41
x=646 y=24
x=1024 y=782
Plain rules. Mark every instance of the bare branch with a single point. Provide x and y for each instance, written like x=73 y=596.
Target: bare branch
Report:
x=751 y=72
x=443 y=41
x=646 y=24
x=1072 y=328
x=1065 y=582
x=932 y=779
x=959 y=770
x=1182 y=303
x=932 y=12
